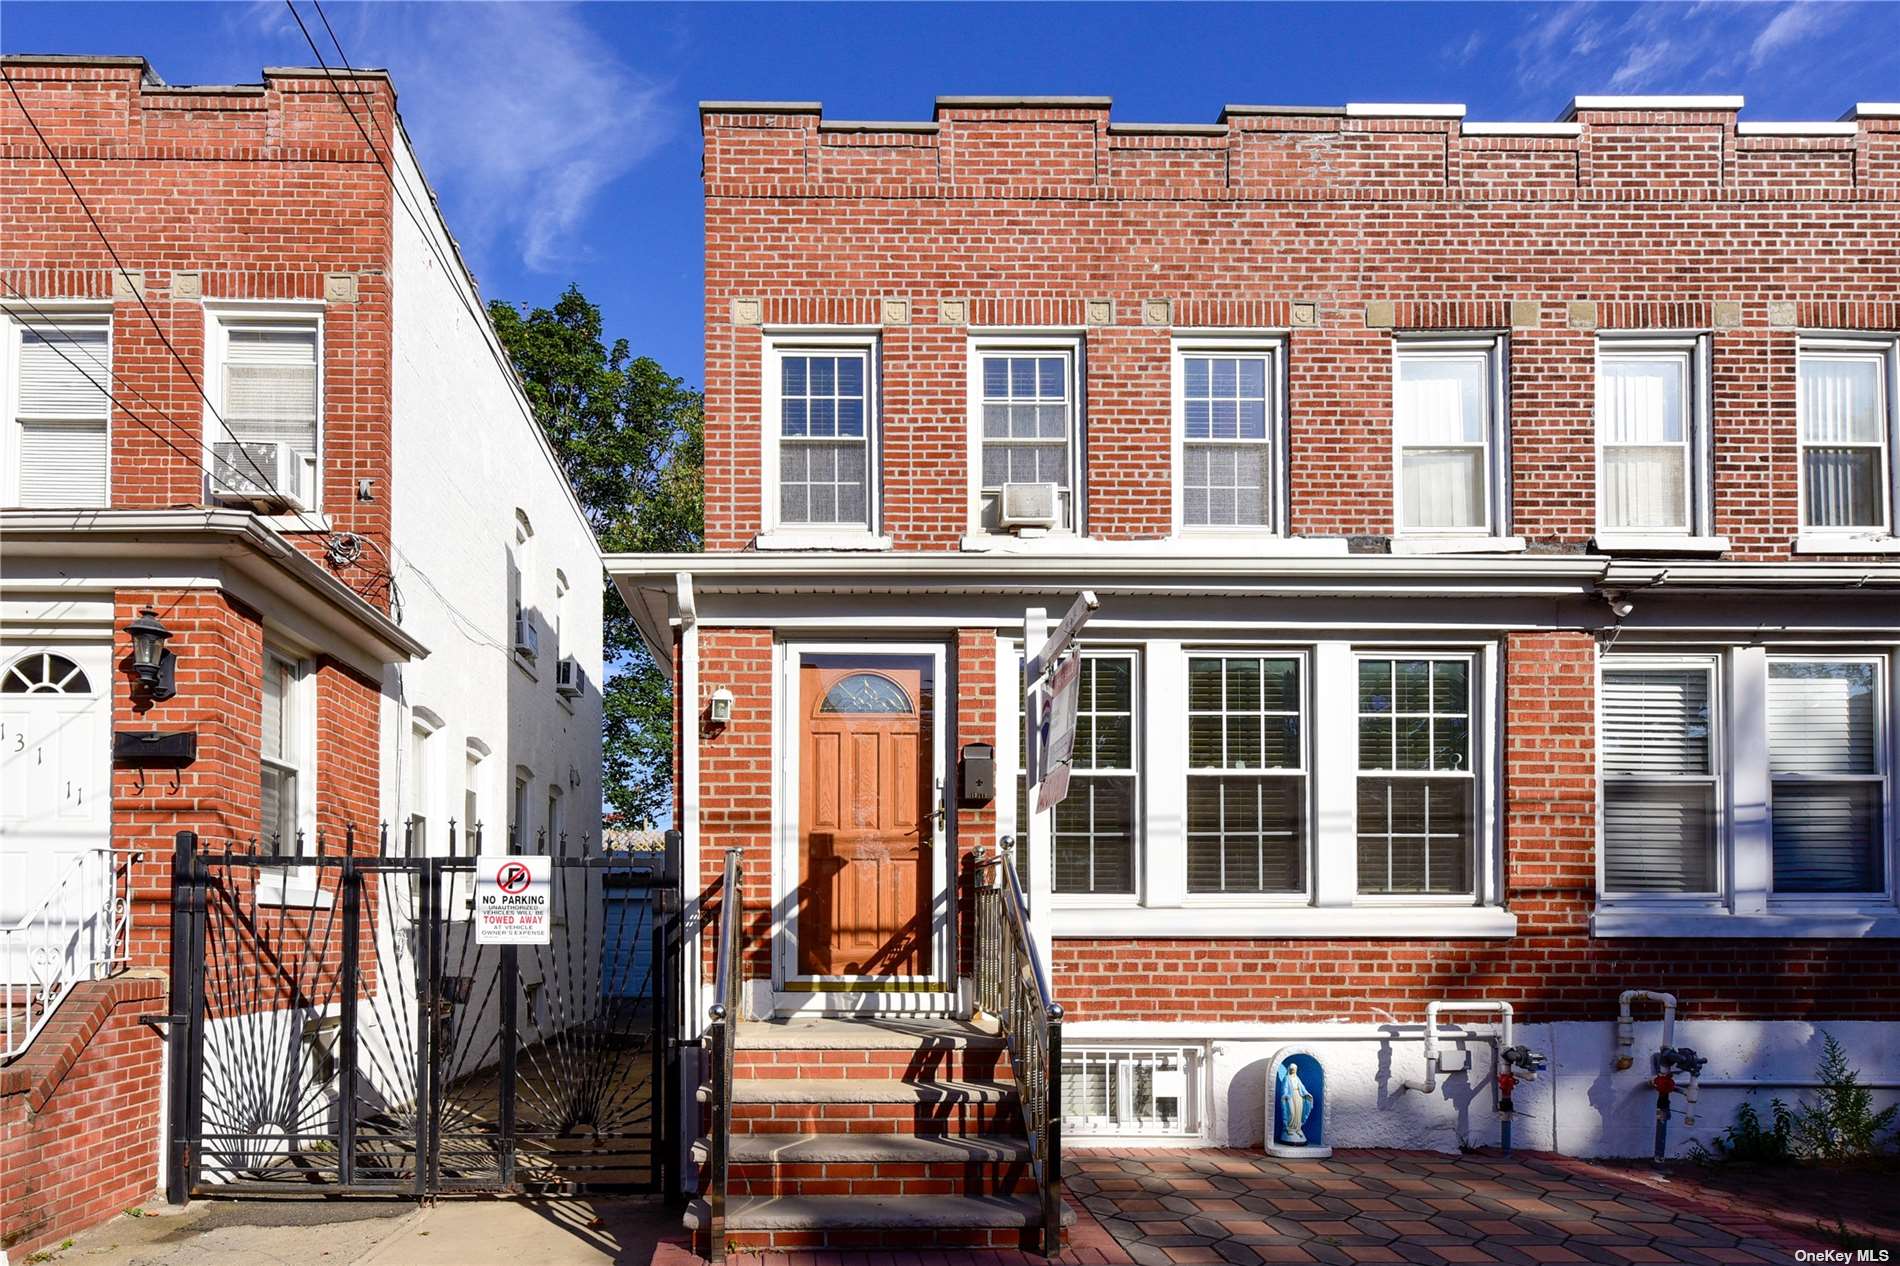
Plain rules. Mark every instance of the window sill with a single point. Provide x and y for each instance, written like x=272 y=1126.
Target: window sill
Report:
x=839 y=541
x=1658 y=543
x=1185 y=544
x=289 y=889
x=1828 y=543
x=1383 y=922
x=1457 y=544
x=1654 y=921
x=307 y=523
x=1189 y=541
x=525 y=662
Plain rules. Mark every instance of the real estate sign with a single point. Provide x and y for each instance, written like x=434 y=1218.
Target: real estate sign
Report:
x=1058 y=734
x=513 y=897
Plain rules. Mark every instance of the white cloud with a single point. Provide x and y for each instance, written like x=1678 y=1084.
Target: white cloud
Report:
x=1789 y=27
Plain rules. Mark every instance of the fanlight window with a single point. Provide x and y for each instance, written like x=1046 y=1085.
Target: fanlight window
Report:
x=44 y=674
x=866 y=692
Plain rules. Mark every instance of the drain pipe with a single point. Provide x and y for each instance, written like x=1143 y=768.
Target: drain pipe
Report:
x=1437 y=1061
x=1626 y=1023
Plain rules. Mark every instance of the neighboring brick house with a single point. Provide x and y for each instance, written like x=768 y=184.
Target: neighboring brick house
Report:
x=329 y=475
x=1494 y=527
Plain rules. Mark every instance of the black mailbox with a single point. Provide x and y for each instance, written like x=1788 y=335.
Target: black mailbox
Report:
x=154 y=747
x=978 y=767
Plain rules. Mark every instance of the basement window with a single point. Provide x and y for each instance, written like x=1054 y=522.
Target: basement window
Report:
x=1132 y=1090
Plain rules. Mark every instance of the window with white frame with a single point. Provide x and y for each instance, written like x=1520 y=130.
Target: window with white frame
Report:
x=1246 y=791
x=58 y=383
x=1827 y=758
x=1660 y=776
x=524 y=630
x=821 y=434
x=284 y=773
x=269 y=389
x=1417 y=810
x=1447 y=422
x=1846 y=404
x=1228 y=426
x=471 y=835
x=1027 y=404
x=421 y=787
x=1094 y=830
x=1652 y=435
x=556 y=828
x=520 y=826
x=1123 y=1090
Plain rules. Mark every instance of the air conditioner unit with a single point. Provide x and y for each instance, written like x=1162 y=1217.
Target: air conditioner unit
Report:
x=569 y=680
x=527 y=635
x=1029 y=506
x=267 y=474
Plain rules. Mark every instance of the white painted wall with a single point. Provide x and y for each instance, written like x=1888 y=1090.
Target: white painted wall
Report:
x=465 y=458
x=1580 y=1105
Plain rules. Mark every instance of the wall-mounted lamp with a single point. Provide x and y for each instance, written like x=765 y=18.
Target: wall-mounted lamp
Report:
x=157 y=668
x=720 y=710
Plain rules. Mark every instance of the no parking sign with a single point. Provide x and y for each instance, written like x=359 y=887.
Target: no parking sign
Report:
x=512 y=900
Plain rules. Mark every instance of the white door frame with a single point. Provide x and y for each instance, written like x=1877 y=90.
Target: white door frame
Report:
x=786 y=736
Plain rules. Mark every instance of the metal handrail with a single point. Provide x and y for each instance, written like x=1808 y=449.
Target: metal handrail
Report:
x=79 y=930
x=1013 y=987
x=721 y=1040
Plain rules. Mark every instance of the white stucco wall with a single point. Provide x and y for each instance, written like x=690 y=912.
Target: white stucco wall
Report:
x=1579 y=1105
x=466 y=458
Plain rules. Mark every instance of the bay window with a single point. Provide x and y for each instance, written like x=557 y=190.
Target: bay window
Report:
x=1448 y=431
x=1652 y=431
x=1845 y=400
x=58 y=383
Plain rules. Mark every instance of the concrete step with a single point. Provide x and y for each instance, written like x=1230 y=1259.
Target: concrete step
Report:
x=863 y=1033
x=788 y=1222
x=875 y=1106
x=907 y=1049
x=876 y=1165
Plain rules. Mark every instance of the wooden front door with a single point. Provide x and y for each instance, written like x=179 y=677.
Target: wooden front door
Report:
x=864 y=821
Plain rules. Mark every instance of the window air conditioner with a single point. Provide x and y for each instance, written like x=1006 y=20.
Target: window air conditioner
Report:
x=266 y=474
x=527 y=636
x=1029 y=506
x=569 y=680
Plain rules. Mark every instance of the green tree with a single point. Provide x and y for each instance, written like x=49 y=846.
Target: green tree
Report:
x=629 y=438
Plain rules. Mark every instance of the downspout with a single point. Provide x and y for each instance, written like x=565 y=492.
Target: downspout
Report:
x=691 y=914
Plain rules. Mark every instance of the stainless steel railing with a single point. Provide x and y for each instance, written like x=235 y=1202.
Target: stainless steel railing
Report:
x=1013 y=987
x=721 y=1036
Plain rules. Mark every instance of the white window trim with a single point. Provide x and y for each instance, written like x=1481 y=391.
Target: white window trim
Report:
x=1697 y=535
x=1495 y=535
x=1331 y=907
x=1884 y=777
x=989 y=342
x=270 y=315
x=774 y=534
x=1273 y=347
x=1138 y=749
x=1879 y=539
x=1745 y=904
x=297 y=885
x=58 y=317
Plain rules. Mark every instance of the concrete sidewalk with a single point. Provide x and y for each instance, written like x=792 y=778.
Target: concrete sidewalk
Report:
x=456 y=1231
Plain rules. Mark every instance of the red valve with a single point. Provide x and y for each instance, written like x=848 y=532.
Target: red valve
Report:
x=1664 y=1083
x=1506 y=1083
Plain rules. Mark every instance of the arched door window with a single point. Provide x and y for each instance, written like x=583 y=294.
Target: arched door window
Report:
x=866 y=692
x=44 y=673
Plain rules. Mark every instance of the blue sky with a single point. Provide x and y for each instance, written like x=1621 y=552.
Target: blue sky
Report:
x=564 y=138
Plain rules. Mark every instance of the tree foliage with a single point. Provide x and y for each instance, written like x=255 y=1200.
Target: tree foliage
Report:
x=628 y=435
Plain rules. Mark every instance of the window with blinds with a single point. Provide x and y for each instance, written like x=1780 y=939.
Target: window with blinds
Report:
x=1846 y=437
x=62 y=405
x=1826 y=758
x=1659 y=778
x=1093 y=833
x=1226 y=439
x=824 y=438
x=1246 y=789
x=1417 y=810
x=1027 y=420
x=270 y=410
x=1646 y=435
x=1443 y=425
x=283 y=758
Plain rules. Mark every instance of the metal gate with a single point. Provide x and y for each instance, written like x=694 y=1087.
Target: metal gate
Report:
x=336 y=1025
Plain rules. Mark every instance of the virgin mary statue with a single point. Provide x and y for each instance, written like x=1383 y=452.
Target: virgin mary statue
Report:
x=1296 y=1105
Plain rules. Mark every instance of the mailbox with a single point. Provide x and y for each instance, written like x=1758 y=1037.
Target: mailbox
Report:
x=154 y=747
x=978 y=769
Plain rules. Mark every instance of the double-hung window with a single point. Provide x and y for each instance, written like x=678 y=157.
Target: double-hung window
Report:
x=1846 y=405
x=1652 y=438
x=284 y=778
x=269 y=385
x=821 y=435
x=60 y=404
x=1417 y=785
x=1095 y=826
x=1449 y=431
x=1228 y=426
x=1660 y=784
x=1246 y=770
x=1026 y=398
x=1827 y=759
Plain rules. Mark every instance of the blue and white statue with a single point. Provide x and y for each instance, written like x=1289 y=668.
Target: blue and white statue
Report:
x=1296 y=1104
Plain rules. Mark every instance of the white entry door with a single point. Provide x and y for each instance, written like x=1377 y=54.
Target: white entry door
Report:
x=55 y=787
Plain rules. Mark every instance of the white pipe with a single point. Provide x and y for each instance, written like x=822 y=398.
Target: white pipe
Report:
x=1430 y=1080
x=1626 y=1023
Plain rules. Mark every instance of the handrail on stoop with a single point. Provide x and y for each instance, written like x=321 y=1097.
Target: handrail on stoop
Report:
x=78 y=930
x=721 y=1037
x=1013 y=987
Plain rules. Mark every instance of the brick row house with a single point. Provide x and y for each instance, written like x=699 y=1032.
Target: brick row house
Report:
x=280 y=428
x=1494 y=533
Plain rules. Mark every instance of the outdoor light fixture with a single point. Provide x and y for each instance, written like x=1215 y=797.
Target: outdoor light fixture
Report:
x=157 y=667
x=720 y=713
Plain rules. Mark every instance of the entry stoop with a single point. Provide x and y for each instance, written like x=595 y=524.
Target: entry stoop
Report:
x=875 y=1132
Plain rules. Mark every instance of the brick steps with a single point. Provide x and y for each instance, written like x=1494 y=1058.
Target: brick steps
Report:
x=910 y=1222
x=878 y=1165
x=875 y=1106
